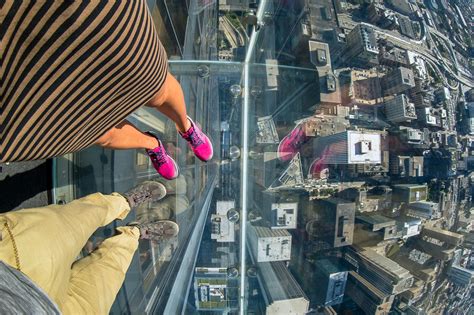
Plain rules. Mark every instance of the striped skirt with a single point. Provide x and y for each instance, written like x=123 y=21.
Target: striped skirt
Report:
x=72 y=70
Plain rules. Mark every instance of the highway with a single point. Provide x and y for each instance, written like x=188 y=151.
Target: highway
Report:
x=232 y=34
x=426 y=53
x=433 y=56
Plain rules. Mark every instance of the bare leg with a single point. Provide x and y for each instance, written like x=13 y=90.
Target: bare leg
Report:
x=127 y=136
x=170 y=102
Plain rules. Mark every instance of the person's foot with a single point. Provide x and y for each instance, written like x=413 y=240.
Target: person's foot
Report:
x=292 y=142
x=198 y=142
x=162 y=162
x=157 y=231
x=146 y=191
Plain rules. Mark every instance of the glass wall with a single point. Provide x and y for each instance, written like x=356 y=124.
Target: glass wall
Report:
x=341 y=182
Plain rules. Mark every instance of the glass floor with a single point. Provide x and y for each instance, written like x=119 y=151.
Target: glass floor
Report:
x=341 y=179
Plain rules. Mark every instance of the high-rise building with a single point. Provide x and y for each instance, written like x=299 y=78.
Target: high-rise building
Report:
x=398 y=81
x=470 y=119
x=406 y=166
x=460 y=275
x=410 y=260
x=223 y=227
x=361 y=47
x=409 y=192
x=408 y=227
x=332 y=222
x=325 y=125
x=442 y=95
x=284 y=215
x=350 y=147
x=440 y=252
x=402 y=6
x=470 y=95
x=380 y=271
x=214 y=290
x=406 y=26
x=368 y=296
x=331 y=283
x=375 y=221
x=429 y=116
x=393 y=56
x=360 y=87
x=269 y=245
x=400 y=109
x=449 y=237
x=414 y=136
x=424 y=210
x=282 y=293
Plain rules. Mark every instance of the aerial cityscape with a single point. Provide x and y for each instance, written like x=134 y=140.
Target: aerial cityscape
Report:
x=343 y=169
x=361 y=160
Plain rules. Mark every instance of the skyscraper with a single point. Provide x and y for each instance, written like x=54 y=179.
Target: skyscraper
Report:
x=398 y=81
x=269 y=245
x=331 y=280
x=461 y=275
x=361 y=47
x=400 y=109
x=333 y=222
x=367 y=295
x=380 y=271
x=410 y=192
x=282 y=293
x=284 y=215
x=350 y=147
x=406 y=166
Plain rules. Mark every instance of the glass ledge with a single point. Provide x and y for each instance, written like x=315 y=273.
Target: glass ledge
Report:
x=341 y=181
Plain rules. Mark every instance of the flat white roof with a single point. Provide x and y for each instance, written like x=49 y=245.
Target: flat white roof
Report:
x=364 y=147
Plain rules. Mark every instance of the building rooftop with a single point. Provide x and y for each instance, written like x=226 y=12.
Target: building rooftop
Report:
x=375 y=221
x=279 y=284
x=364 y=147
x=262 y=231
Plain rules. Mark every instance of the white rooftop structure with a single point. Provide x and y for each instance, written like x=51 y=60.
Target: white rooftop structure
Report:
x=320 y=56
x=272 y=74
x=428 y=116
x=417 y=61
x=284 y=215
x=223 y=230
x=269 y=245
x=350 y=147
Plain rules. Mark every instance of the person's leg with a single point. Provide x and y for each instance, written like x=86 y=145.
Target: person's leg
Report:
x=96 y=279
x=170 y=101
x=127 y=136
x=47 y=240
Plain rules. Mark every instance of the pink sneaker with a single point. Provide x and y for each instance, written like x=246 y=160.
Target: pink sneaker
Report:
x=318 y=169
x=198 y=142
x=163 y=163
x=291 y=143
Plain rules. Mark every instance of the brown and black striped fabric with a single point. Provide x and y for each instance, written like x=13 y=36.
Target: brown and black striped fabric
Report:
x=71 y=70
